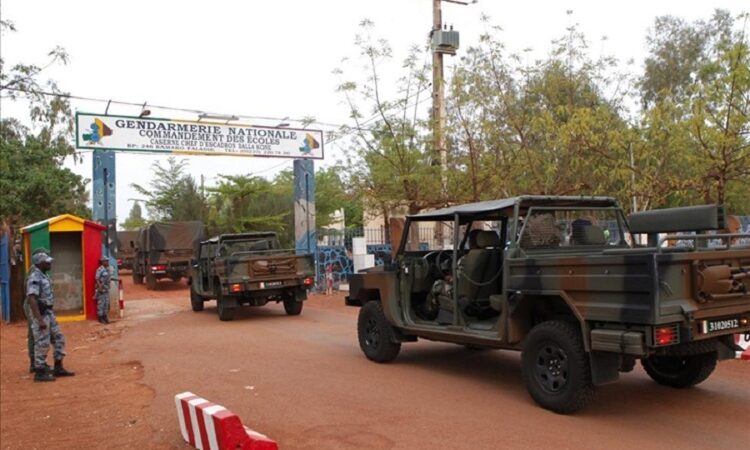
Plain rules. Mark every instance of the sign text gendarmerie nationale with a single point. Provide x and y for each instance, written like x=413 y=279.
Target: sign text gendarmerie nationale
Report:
x=136 y=134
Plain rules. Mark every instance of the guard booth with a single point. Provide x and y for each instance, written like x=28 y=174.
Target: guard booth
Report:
x=76 y=245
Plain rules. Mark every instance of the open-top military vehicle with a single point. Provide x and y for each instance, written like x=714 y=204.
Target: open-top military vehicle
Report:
x=562 y=280
x=250 y=269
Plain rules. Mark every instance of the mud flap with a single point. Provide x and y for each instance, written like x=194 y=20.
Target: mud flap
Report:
x=726 y=348
x=228 y=302
x=605 y=367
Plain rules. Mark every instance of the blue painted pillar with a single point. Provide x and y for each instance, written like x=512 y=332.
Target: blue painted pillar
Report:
x=306 y=241
x=104 y=202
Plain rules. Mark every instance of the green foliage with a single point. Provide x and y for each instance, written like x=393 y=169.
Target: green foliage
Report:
x=172 y=194
x=135 y=219
x=33 y=183
x=565 y=124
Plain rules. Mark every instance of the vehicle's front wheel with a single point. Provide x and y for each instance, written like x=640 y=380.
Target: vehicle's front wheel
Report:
x=293 y=305
x=680 y=371
x=226 y=313
x=196 y=301
x=376 y=334
x=556 y=368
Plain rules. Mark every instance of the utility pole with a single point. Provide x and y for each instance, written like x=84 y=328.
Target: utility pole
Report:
x=438 y=101
x=442 y=42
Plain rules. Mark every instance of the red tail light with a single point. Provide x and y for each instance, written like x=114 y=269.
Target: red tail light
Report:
x=158 y=268
x=236 y=287
x=667 y=334
x=309 y=281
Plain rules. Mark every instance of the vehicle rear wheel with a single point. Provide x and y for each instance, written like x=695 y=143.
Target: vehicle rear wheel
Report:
x=226 y=313
x=376 y=334
x=137 y=278
x=680 y=371
x=196 y=301
x=556 y=368
x=150 y=282
x=176 y=278
x=293 y=305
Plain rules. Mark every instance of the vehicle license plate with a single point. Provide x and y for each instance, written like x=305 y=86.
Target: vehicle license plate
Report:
x=712 y=326
x=269 y=284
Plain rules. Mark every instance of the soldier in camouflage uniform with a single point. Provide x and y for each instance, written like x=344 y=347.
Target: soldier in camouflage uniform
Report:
x=102 y=290
x=29 y=317
x=44 y=325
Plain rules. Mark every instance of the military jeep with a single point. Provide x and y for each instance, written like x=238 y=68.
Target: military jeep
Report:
x=562 y=280
x=249 y=269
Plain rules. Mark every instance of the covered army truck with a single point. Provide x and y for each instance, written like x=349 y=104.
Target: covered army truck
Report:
x=562 y=280
x=126 y=242
x=164 y=250
x=249 y=269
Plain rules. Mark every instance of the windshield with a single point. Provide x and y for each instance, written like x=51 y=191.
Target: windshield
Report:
x=548 y=228
x=231 y=247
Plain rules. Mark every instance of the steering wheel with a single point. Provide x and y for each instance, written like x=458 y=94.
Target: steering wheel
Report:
x=437 y=257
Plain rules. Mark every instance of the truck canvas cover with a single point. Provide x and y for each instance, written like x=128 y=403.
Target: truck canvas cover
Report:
x=169 y=237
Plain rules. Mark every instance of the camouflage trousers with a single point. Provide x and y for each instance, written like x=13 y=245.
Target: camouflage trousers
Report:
x=43 y=338
x=102 y=303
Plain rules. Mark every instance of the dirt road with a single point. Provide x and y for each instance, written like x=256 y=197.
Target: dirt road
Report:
x=304 y=382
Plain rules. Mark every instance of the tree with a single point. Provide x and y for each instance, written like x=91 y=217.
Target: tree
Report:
x=390 y=166
x=33 y=181
x=553 y=126
x=135 y=219
x=705 y=92
x=172 y=194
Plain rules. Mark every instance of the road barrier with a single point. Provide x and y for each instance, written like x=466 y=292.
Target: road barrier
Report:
x=208 y=426
x=743 y=340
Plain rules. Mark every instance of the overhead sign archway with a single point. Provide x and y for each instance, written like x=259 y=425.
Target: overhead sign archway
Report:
x=107 y=134
x=146 y=134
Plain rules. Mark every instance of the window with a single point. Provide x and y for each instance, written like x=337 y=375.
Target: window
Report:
x=548 y=228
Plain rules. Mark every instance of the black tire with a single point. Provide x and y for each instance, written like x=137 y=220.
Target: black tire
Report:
x=137 y=278
x=226 y=313
x=196 y=301
x=293 y=306
x=556 y=368
x=150 y=282
x=176 y=278
x=680 y=371
x=376 y=334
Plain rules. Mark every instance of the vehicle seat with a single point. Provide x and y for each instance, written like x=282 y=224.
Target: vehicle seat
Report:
x=478 y=270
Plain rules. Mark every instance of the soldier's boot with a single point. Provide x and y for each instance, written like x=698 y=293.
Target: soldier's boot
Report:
x=106 y=319
x=100 y=319
x=31 y=367
x=60 y=370
x=43 y=375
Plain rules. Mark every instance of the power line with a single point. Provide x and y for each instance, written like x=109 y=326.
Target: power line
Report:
x=168 y=108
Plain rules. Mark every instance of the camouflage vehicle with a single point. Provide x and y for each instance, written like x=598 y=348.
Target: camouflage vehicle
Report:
x=164 y=250
x=250 y=269
x=562 y=280
x=126 y=241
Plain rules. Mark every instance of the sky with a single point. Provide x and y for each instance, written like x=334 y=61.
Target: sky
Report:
x=274 y=58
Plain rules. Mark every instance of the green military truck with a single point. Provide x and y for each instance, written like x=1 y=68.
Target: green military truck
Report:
x=164 y=250
x=562 y=280
x=126 y=243
x=249 y=269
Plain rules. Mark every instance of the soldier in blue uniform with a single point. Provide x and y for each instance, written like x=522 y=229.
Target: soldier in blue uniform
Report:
x=46 y=331
x=102 y=290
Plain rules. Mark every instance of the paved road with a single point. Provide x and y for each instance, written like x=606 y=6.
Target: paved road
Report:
x=303 y=381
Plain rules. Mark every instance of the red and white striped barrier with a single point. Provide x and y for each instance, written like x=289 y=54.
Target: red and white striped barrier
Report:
x=208 y=426
x=743 y=340
x=121 y=300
